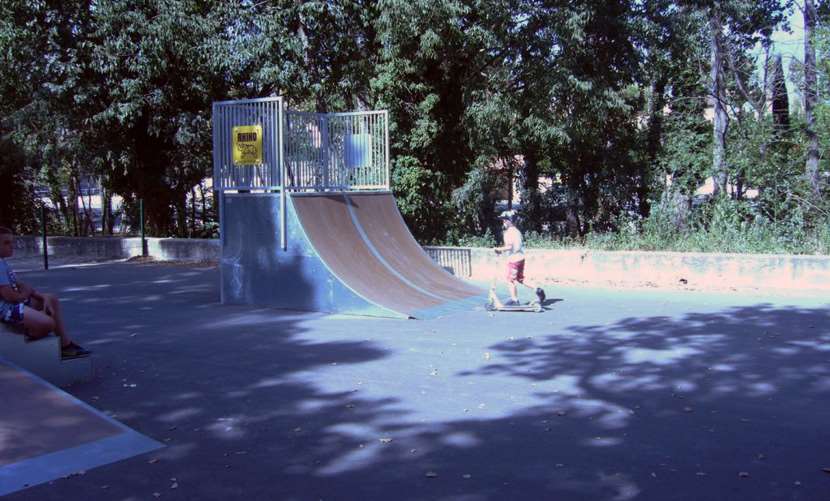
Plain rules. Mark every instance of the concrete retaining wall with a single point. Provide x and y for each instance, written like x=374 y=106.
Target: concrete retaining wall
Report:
x=597 y=267
x=692 y=270
x=168 y=249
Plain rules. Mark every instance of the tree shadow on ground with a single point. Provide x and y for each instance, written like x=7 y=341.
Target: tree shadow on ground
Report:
x=697 y=401
x=211 y=382
x=643 y=408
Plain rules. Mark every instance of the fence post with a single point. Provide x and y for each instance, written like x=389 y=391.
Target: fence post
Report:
x=45 y=242
x=387 y=164
x=141 y=222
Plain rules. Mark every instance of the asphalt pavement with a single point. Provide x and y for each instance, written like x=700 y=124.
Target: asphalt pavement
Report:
x=610 y=394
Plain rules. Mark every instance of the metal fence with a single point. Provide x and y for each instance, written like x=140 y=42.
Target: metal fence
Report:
x=321 y=151
x=337 y=151
x=456 y=260
x=253 y=124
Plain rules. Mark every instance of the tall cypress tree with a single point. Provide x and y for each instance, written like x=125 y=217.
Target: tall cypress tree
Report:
x=779 y=98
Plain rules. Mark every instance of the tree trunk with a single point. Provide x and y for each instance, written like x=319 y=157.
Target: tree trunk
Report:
x=572 y=220
x=720 y=119
x=104 y=218
x=90 y=217
x=654 y=137
x=203 y=215
x=739 y=185
x=181 y=214
x=810 y=96
x=107 y=220
x=85 y=219
x=531 y=203
x=73 y=205
x=60 y=203
x=192 y=212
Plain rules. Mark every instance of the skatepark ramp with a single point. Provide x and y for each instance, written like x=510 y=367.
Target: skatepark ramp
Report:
x=347 y=253
x=307 y=219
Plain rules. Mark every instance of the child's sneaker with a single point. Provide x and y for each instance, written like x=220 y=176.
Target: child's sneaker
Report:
x=540 y=294
x=510 y=302
x=73 y=350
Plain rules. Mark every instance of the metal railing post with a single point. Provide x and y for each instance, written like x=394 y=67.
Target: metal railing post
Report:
x=386 y=144
x=283 y=179
x=326 y=155
x=141 y=223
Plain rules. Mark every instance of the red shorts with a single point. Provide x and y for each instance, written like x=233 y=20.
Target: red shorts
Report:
x=516 y=271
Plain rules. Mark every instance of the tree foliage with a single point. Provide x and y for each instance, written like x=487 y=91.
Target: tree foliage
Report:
x=588 y=106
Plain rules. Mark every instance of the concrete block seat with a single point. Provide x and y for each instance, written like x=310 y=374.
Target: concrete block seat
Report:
x=43 y=357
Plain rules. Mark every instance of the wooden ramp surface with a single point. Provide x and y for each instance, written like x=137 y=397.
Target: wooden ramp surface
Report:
x=364 y=241
x=329 y=227
x=46 y=434
x=378 y=216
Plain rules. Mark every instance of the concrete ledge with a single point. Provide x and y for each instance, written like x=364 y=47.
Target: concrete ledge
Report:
x=43 y=357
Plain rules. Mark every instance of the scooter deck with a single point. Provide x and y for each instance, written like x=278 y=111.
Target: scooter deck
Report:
x=496 y=305
x=533 y=308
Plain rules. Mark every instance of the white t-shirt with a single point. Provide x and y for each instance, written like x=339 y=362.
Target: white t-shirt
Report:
x=513 y=238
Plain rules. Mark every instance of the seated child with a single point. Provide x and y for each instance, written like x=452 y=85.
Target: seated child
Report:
x=21 y=305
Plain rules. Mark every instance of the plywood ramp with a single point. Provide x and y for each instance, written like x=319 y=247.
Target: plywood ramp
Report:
x=331 y=231
x=377 y=214
x=364 y=242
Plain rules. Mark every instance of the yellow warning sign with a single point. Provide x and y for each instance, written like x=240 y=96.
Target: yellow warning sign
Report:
x=247 y=145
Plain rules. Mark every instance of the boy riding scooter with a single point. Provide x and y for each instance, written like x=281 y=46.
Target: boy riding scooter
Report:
x=513 y=249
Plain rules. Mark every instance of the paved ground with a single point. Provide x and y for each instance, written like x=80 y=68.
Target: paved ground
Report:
x=610 y=395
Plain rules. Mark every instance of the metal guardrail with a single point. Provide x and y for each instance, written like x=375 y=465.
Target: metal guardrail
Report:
x=456 y=260
x=255 y=139
x=229 y=119
x=337 y=151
